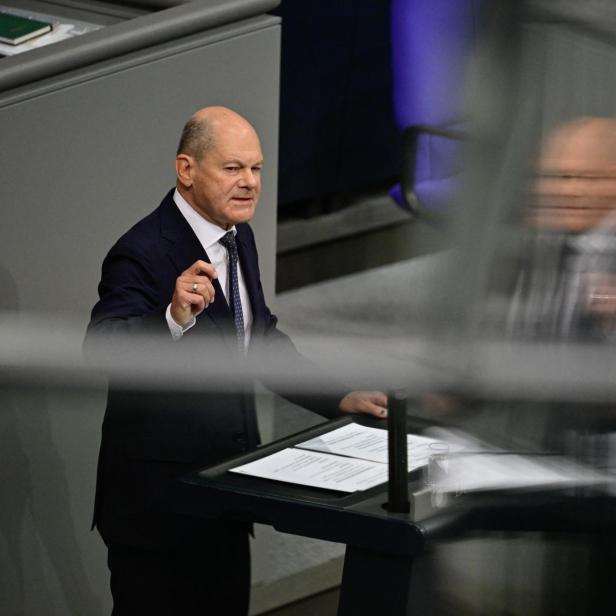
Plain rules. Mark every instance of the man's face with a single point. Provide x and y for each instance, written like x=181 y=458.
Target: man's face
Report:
x=225 y=184
x=576 y=188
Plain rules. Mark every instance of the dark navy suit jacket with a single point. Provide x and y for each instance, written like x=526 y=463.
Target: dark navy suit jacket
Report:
x=150 y=437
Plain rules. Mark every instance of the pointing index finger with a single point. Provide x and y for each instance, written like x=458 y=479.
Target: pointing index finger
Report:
x=202 y=267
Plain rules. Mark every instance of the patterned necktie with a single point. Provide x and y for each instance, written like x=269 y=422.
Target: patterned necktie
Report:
x=235 y=303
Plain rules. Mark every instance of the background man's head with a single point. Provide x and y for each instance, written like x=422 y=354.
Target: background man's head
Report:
x=218 y=166
x=576 y=187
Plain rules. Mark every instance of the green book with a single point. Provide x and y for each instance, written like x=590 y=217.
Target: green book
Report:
x=15 y=29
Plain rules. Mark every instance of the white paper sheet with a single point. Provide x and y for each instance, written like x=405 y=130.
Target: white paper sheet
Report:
x=366 y=443
x=319 y=470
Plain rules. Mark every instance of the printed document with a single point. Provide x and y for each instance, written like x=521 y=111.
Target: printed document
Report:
x=347 y=459
x=358 y=441
x=319 y=470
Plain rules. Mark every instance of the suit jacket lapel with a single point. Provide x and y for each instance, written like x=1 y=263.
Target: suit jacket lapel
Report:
x=184 y=250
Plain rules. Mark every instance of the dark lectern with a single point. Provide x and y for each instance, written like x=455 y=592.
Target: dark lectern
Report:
x=381 y=545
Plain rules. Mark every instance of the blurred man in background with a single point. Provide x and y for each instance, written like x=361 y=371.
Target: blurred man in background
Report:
x=569 y=286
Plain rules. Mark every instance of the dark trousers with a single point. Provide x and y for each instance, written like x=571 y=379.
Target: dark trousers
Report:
x=200 y=583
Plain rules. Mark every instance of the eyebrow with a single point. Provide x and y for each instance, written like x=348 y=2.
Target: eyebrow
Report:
x=237 y=161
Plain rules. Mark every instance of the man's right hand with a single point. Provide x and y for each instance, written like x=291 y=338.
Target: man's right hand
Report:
x=193 y=292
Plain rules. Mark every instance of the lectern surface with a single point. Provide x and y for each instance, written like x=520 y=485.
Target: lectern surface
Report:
x=359 y=518
x=362 y=518
x=381 y=546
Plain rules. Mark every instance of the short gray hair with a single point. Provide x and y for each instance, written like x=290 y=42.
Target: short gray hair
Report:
x=197 y=138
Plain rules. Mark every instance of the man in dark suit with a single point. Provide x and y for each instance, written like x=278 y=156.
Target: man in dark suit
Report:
x=567 y=284
x=189 y=273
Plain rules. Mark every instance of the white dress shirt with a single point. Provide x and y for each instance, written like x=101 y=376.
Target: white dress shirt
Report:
x=209 y=235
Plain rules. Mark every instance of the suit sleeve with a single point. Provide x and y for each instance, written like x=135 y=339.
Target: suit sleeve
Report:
x=275 y=344
x=281 y=346
x=129 y=297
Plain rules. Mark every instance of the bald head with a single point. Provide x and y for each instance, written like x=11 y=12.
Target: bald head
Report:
x=581 y=147
x=200 y=132
x=218 y=166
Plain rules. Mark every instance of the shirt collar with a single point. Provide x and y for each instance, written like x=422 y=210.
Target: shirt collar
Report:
x=207 y=232
x=599 y=239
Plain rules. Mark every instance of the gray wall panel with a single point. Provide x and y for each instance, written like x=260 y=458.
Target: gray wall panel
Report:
x=125 y=37
x=79 y=164
x=87 y=161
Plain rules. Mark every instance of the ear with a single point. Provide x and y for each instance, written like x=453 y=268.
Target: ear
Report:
x=183 y=169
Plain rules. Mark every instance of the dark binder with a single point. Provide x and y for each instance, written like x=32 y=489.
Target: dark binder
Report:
x=15 y=30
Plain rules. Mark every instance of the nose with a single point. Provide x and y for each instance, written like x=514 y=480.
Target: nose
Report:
x=249 y=179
